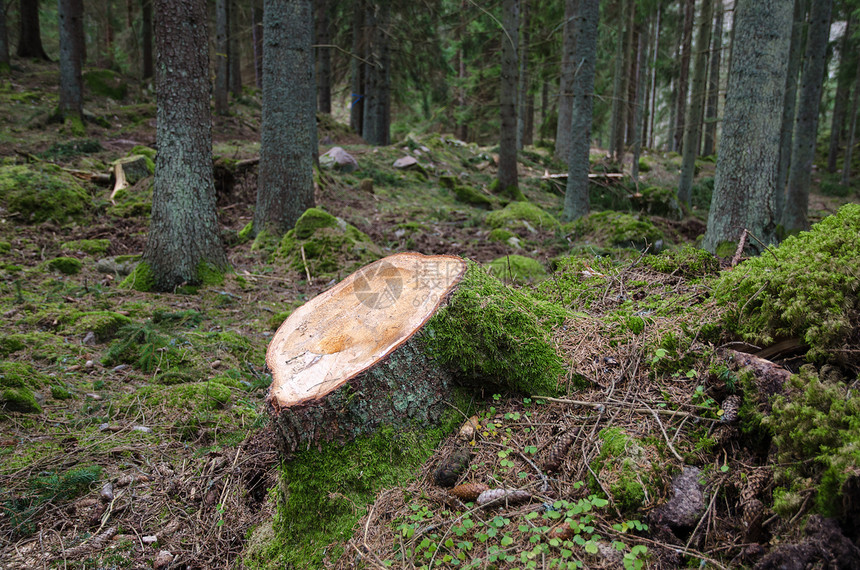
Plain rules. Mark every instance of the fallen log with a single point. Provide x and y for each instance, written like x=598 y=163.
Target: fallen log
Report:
x=388 y=344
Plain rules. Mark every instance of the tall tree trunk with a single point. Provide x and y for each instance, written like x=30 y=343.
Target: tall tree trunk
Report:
x=684 y=73
x=4 y=38
x=847 y=60
x=377 y=90
x=508 y=176
x=789 y=110
x=639 y=100
x=748 y=153
x=221 y=57
x=529 y=128
x=234 y=55
x=652 y=109
x=794 y=216
x=286 y=185
x=30 y=37
x=358 y=69
x=257 y=35
x=323 y=59
x=523 y=88
x=288 y=150
x=852 y=129
x=146 y=37
x=616 y=125
x=565 y=90
x=713 y=107
x=631 y=76
x=576 y=194
x=71 y=24
x=183 y=245
x=693 y=123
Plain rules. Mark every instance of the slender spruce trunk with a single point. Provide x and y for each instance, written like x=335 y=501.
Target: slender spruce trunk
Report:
x=565 y=91
x=30 y=35
x=639 y=110
x=523 y=88
x=285 y=188
x=795 y=217
x=234 y=53
x=652 y=112
x=508 y=179
x=323 y=38
x=71 y=23
x=684 y=74
x=748 y=154
x=693 y=122
x=845 y=76
x=184 y=245
x=221 y=57
x=616 y=126
x=713 y=106
x=146 y=38
x=257 y=36
x=377 y=85
x=576 y=194
x=4 y=39
x=852 y=129
x=789 y=110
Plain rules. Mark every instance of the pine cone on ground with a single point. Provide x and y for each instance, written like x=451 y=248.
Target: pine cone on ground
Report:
x=556 y=453
x=731 y=406
x=451 y=469
x=468 y=491
x=499 y=496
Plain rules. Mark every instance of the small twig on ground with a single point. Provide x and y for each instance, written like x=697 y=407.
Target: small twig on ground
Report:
x=665 y=435
x=739 y=252
x=305 y=263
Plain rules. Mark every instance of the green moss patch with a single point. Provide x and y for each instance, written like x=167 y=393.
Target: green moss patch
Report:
x=326 y=245
x=328 y=490
x=181 y=395
x=517 y=268
x=469 y=195
x=522 y=215
x=808 y=287
x=65 y=265
x=494 y=333
x=140 y=279
x=615 y=229
x=89 y=246
x=104 y=324
x=624 y=469
x=35 y=194
x=687 y=261
x=17 y=381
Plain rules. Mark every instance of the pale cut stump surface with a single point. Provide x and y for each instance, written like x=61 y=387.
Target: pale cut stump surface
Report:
x=352 y=359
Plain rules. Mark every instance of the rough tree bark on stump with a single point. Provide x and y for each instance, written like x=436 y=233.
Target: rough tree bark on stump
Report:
x=371 y=351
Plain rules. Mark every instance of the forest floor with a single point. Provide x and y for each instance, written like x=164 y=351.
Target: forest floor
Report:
x=132 y=427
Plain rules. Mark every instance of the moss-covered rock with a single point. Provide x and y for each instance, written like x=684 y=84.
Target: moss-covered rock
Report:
x=658 y=201
x=808 y=287
x=65 y=265
x=103 y=324
x=106 y=83
x=615 y=229
x=36 y=194
x=518 y=268
x=494 y=333
x=469 y=195
x=522 y=215
x=325 y=245
x=89 y=246
x=500 y=234
x=448 y=182
x=17 y=381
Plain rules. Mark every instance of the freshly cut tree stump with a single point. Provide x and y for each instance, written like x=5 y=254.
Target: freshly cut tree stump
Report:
x=352 y=359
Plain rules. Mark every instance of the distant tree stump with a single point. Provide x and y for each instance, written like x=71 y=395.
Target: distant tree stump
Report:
x=352 y=359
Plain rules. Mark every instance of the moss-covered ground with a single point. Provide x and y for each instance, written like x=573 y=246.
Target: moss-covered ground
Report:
x=133 y=422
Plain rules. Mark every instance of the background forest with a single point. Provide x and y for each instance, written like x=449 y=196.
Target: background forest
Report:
x=664 y=192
